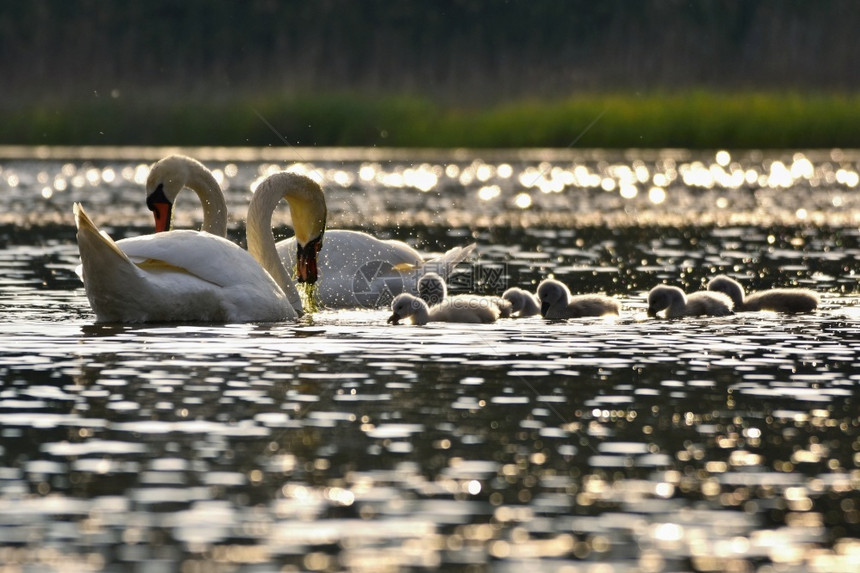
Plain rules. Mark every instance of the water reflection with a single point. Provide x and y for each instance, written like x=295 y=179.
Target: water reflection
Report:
x=341 y=443
x=515 y=187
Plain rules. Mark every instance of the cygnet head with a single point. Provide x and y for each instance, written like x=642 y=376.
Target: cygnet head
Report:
x=552 y=292
x=514 y=295
x=432 y=289
x=522 y=301
x=662 y=297
x=728 y=286
x=405 y=306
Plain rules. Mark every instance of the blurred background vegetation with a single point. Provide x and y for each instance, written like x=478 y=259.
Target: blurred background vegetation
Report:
x=703 y=73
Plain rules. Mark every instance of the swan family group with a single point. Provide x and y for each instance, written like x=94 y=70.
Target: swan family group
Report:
x=200 y=276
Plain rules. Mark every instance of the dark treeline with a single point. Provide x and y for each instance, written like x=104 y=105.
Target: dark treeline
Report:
x=448 y=50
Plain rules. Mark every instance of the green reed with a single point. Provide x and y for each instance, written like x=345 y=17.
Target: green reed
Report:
x=695 y=119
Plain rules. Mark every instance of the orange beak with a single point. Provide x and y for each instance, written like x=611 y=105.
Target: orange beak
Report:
x=306 y=261
x=162 y=209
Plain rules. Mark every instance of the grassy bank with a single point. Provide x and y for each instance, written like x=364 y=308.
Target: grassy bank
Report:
x=695 y=119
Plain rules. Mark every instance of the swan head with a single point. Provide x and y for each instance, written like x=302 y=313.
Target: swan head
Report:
x=306 y=260
x=662 y=297
x=308 y=212
x=161 y=207
x=552 y=292
x=167 y=177
x=404 y=306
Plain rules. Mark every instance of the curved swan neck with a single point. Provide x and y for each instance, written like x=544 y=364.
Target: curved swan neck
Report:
x=173 y=173
x=307 y=206
x=202 y=182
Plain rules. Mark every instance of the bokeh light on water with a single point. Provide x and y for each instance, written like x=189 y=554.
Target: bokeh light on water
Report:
x=548 y=187
x=342 y=443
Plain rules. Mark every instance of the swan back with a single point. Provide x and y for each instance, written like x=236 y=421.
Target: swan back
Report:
x=788 y=300
x=506 y=309
x=707 y=303
x=584 y=305
x=359 y=270
x=181 y=276
x=465 y=308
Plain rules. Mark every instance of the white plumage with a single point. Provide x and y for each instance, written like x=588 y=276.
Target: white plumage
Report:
x=557 y=302
x=677 y=304
x=194 y=276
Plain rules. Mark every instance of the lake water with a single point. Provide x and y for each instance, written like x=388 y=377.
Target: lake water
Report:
x=343 y=443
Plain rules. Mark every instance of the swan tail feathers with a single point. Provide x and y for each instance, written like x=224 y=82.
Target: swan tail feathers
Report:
x=89 y=234
x=109 y=276
x=445 y=263
x=103 y=262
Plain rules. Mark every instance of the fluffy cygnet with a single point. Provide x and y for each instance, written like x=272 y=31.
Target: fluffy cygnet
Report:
x=677 y=304
x=780 y=300
x=433 y=290
x=557 y=302
x=451 y=309
x=523 y=303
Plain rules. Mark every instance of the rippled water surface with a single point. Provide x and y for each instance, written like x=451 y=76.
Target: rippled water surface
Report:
x=342 y=443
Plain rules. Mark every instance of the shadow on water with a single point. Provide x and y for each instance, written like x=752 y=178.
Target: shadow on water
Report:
x=343 y=443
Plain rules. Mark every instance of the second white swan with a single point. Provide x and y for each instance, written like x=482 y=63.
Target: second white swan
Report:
x=355 y=269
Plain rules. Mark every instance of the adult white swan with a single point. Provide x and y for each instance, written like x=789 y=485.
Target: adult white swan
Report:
x=359 y=270
x=191 y=276
x=355 y=268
